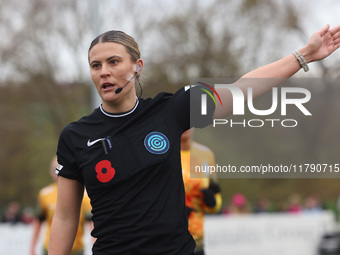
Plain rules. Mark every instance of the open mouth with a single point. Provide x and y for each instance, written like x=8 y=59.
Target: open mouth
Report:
x=108 y=85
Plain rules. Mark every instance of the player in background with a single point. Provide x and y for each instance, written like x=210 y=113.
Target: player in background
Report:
x=47 y=200
x=202 y=193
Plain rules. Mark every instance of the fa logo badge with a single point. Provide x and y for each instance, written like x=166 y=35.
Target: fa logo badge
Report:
x=156 y=143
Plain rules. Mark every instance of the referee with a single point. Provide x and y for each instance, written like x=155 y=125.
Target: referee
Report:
x=127 y=151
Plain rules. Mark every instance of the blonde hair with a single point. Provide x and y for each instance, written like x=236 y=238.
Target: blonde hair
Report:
x=121 y=38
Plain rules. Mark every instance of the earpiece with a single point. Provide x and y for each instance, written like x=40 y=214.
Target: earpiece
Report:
x=137 y=68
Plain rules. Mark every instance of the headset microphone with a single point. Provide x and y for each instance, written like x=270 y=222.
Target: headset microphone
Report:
x=133 y=76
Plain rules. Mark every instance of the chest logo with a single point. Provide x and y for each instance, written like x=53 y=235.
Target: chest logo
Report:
x=90 y=143
x=156 y=143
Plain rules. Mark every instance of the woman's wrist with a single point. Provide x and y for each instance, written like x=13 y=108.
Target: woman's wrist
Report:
x=306 y=53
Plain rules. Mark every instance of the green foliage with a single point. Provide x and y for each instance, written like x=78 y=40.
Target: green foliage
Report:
x=32 y=117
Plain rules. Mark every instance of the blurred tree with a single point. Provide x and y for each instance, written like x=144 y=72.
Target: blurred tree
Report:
x=32 y=117
x=40 y=53
x=191 y=43
x=43 y=38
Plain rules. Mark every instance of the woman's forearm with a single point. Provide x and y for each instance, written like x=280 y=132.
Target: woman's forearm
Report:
x=66 y=217
x=63 y=233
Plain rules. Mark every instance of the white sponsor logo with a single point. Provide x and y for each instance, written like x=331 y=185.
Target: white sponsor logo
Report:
x=89 y=143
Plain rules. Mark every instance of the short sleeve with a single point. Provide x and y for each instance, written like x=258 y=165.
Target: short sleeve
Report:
x=197 y=118
x=66 y=154
x=186 y=104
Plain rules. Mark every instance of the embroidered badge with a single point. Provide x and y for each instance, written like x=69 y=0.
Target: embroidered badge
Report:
x=156 y=143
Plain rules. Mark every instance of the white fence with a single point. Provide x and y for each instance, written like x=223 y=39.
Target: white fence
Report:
x=262 y=234
x=16 y=240
x=267 y=234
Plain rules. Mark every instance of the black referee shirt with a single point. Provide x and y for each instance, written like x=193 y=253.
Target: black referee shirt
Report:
x=130 y=164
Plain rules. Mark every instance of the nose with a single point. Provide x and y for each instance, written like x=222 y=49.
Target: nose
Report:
x=104 y=71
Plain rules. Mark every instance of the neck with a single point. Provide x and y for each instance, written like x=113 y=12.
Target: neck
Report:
x=120 y=105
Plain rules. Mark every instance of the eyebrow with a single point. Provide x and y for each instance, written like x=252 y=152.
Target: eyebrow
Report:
x=108 y=59
x=114 y=56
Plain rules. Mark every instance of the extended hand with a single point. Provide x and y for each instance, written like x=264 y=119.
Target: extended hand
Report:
x=323 y=43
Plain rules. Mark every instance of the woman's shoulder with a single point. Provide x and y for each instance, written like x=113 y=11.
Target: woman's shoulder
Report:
x=83 y=122
x=164 y=96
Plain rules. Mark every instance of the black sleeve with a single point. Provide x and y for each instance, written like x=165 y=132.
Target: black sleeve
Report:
x=197 y=119
x=67 y=161
x=186 y=108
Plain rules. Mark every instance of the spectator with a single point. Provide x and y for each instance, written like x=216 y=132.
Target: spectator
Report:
x=12 y=213
x=294 y=204
x=238 y=205
x=312 y=204
x=262 y=206
x=27 y=215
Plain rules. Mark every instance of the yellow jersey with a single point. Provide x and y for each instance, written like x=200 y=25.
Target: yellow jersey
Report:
x=200 y=156
x=47 y=200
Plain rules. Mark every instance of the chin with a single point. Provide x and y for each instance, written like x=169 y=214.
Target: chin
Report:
x=109 y=97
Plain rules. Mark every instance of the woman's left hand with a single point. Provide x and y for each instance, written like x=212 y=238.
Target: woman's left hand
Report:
x=322 y=43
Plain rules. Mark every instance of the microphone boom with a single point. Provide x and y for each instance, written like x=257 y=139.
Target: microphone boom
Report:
x=121 y=88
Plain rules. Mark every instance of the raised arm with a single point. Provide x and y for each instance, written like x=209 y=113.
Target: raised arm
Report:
x=322 y=43
x=66 y=217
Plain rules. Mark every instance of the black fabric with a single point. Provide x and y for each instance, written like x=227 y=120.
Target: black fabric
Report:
x=214 y=186
x=209 y=197
x=199 y=253
x=189 y=210
x=196 y=118
x=137 y=195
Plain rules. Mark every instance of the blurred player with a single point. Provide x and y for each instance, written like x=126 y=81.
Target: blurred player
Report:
x=47 y=200
x=202 y=195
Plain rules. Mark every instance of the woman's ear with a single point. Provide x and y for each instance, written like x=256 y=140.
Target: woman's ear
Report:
x=139 y=66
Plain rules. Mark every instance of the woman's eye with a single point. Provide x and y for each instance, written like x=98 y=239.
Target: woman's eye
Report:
x=113 y=62
x=95 y=66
